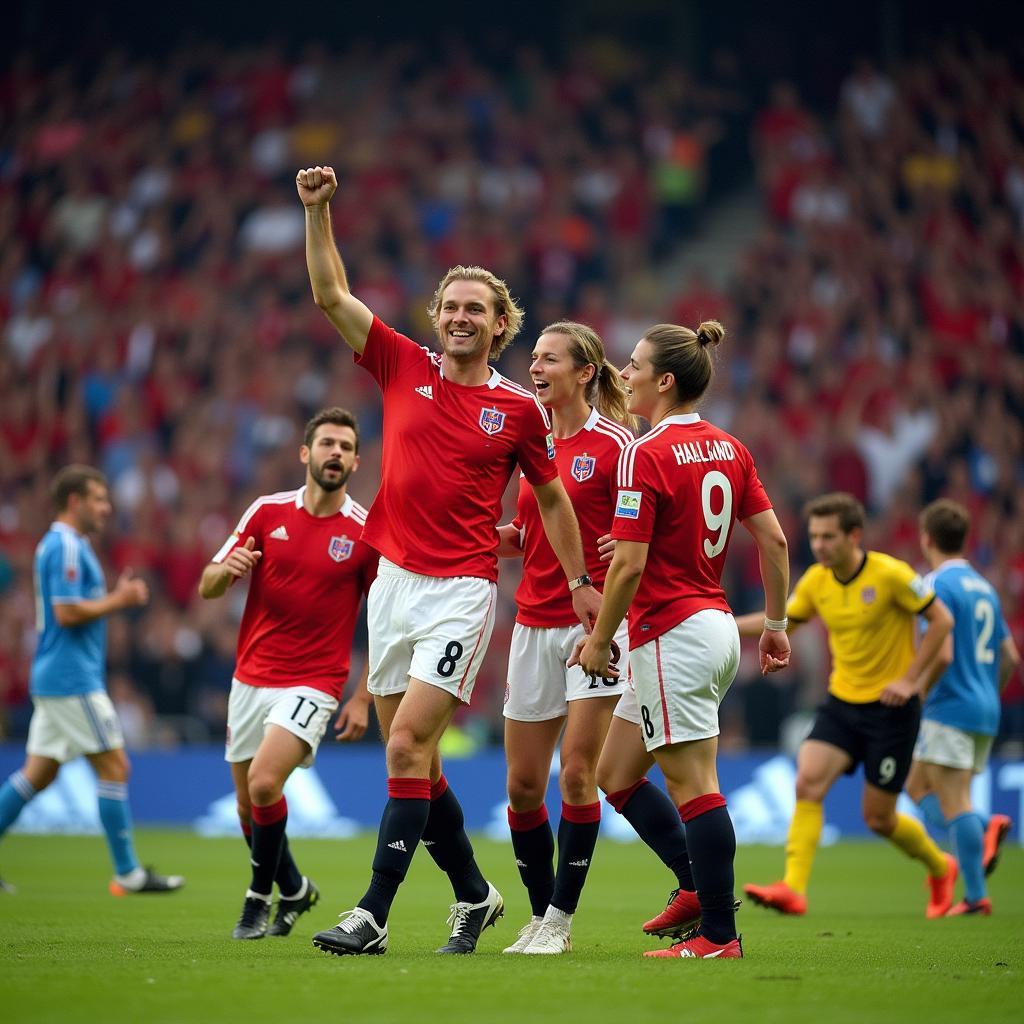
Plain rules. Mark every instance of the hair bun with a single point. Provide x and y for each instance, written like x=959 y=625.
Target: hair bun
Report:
x=710 y=332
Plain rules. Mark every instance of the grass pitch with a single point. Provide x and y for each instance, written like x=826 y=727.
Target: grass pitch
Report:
x=71 y=953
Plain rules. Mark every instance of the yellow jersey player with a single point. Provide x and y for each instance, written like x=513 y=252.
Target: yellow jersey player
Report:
x=868 y=602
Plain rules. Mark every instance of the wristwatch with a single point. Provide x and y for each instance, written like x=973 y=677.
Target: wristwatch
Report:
x=580 y=581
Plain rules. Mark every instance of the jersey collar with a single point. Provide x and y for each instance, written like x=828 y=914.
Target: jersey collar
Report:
x=492 y=381
x=681 y=418
x=346 y=505
x=64 y=528
x=954 y=563
x=856 y=572
x=592 y=419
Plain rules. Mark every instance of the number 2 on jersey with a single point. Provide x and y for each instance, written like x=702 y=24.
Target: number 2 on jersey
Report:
x=720 y=521
x=986 y=615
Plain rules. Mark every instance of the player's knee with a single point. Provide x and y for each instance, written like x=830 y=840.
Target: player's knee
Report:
x=880 y=822
x=577 y=782
x=809 y=788
x=405 y=756
x=526 y=792
x=264 y=788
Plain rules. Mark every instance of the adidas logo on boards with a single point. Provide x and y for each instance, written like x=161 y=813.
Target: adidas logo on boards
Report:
x=579 y=863
x=427 y=842
x=398 y=844
x=427 y=391
x=280 y=534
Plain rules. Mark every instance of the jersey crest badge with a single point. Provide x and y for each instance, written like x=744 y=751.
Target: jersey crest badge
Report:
x=868 y=595
x=492 y=421
x=583 y=467
x=340 y=548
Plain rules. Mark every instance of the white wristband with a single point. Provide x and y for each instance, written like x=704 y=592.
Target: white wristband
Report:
x=776 y=625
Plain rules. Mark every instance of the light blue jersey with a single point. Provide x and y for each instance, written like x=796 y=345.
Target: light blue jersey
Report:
x=71 y=661
x=967 y=694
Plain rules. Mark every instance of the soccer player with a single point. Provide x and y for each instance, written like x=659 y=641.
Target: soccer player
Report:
x=585 y=397
x=961 y=711
x=681 y=489
x=454 y=429
x=72 y=713
x=868 y=602
x=309 y=570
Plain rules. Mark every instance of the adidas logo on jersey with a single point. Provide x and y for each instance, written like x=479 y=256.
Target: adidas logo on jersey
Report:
x=427 y=391
x=520 y=863
x=280 y=534
x=398 y=844
x=427 y=842
x=579 y=863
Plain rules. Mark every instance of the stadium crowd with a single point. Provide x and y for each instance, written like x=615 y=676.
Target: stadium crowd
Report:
x=155 y=317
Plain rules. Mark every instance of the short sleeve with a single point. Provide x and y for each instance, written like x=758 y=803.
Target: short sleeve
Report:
x=535 y=448
x=635 y=507
x=250 y=525
x=62 y=571
x=386 y=353
x=755 y=497
x=801 y=607
x=909 y=590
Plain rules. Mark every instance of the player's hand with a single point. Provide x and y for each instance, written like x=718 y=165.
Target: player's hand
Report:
x=774 y=651
x=352 y=720
x=605 y=548
x=131 y=591
x=898 y=692
x=586 y=603
x=242 y=560
x=596 y=659
x=316 y=185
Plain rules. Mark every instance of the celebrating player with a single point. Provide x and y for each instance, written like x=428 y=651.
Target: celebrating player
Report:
x=868 y=602
x=72 y=713
x=309 y=570
x=681 y=488
x=961 y=712
x=585 y=396
x=454 y=430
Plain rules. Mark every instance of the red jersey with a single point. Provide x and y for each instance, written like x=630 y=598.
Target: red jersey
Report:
x=681 y=489
x=304 y=592
x=587 y=463
x=448 y=453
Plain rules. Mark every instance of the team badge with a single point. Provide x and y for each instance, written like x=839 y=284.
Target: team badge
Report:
x=340 y=548
x=583 y=467
x=868 y=595
x=492 y=421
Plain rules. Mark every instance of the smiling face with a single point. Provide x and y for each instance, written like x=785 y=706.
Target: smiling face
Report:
x=467 y=321
x=645 y=389
x=559 y=382
x=331 y=458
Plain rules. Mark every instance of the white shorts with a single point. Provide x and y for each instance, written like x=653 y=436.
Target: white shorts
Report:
x=682 y=677
x=628 y=709
x=540 y=685
x=951 y=747
x=303 y=710
x=64 y=727
x=428 y=627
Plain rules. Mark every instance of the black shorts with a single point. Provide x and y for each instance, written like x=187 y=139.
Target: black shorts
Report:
x=879 y=736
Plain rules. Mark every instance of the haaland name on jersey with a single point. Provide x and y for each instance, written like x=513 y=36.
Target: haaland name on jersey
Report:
x=706 y=450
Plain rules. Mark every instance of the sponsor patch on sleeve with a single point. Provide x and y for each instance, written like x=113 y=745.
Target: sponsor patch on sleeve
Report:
x=627 y=505
x=920 y=587
x=550 y=441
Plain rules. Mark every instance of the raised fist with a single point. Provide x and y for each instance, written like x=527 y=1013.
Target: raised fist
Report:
x=316 y=185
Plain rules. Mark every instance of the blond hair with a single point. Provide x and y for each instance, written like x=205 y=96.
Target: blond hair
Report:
x=605 y=391
x=504 y=304
x=686 y=355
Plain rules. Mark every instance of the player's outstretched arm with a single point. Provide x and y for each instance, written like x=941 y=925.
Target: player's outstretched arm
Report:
x=218 y=576
x=129 y=592
x=351 y=318
x=773 y=556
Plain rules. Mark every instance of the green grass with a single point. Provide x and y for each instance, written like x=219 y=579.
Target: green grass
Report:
x=70 y=952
